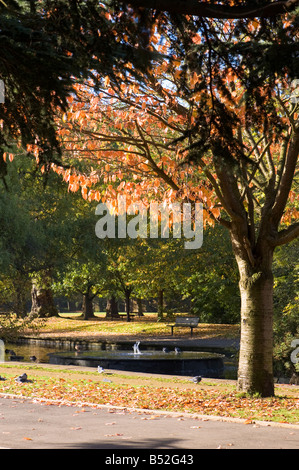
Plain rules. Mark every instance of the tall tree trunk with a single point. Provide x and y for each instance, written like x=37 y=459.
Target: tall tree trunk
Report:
x=127 y=300
x=256 y=347
x=20 y=304
x=21 y=290
x=140 y=307
x=160 y=304
x=42 y=299
x=111 y=308
x=87 y=306
x=137 y=307
x=255 y=373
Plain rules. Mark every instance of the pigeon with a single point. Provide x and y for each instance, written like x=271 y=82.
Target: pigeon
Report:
x=22 y=378
x=10 y=351
x=196 y=379
x=100 y=369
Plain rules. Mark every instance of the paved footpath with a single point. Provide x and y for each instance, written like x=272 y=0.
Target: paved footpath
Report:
x=25 y=424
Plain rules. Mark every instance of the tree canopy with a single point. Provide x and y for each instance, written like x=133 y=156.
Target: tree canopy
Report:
x=46 y=47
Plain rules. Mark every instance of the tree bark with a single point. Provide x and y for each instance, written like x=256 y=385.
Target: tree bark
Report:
x=160 y=304
x=128 y=291
x=255 y=373
x=140 y=307
x=20 y=297
x=42 y=301
x=111 y=308
x=87 y=307
x=256 y=348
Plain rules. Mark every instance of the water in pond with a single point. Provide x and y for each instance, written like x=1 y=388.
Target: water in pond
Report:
x=27 y=353
x=156 y=362
x=184 y=363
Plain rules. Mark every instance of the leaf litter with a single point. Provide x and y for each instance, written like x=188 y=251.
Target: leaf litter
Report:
x=202 y=399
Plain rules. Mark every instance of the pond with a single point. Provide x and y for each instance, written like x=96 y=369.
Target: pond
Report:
x=205 y=363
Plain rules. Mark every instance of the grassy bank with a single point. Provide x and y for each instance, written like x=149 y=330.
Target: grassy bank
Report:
x=71 y=325
x=86 y=387
x=78 y=386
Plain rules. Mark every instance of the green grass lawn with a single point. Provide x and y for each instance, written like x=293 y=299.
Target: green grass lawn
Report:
x=86 y=387
x=75 y=386
x=70 y=325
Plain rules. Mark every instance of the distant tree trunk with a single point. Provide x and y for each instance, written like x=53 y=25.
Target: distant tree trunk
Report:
x=20 y=304
x=140 y=307
x=21 y=290
x=137 y=307
x=42 y=300
x=111 y=308
x=128 y=292
x=160 y=304
x=87 y=306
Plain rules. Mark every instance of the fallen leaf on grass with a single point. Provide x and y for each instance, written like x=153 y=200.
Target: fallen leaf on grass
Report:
x=248 y=421
x=27 y=438
x=80 y=411
x=151 y=417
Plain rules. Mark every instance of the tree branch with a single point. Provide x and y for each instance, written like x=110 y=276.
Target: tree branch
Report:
x=287 y=235
x=154 y=166
x=204 y=9
x=286 y=179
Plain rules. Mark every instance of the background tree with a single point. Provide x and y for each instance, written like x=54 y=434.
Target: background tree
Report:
x=212 y=280
x=160 y=271
x=85 y=279
x=17 y=234
x=286 y=308
x=37 y=221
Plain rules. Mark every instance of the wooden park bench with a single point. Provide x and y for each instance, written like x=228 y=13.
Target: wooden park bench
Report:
x=190 y=322
x=123 y=315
